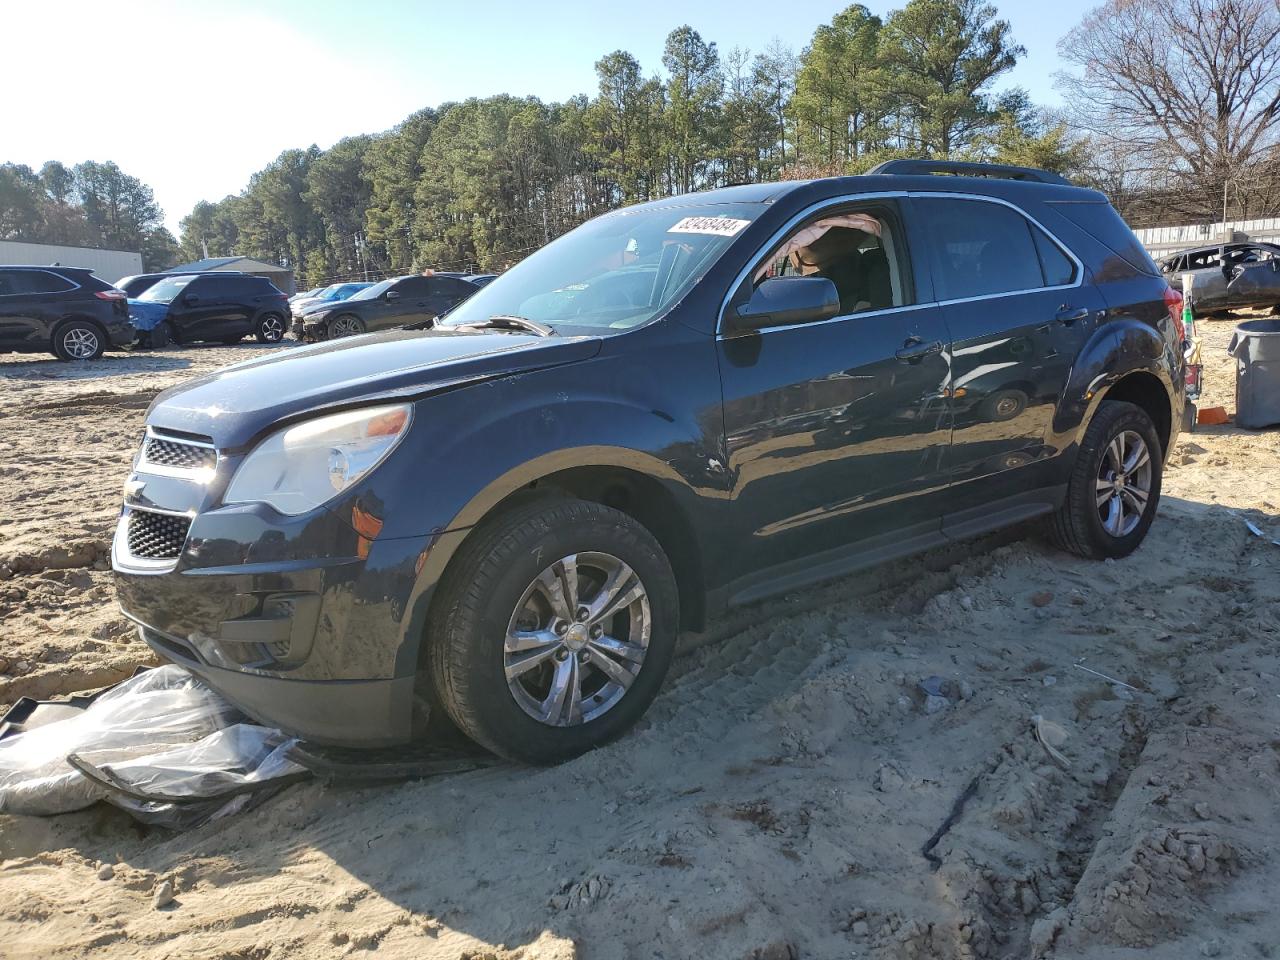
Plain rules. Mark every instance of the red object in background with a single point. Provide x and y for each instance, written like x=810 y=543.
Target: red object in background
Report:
x=1213 y=416
x=1173 y=301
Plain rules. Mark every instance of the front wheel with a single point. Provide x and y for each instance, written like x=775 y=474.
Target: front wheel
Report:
x=346 y=325
x=270 y=329
x=78 y=340
x=553 y=630
x=1114 y=488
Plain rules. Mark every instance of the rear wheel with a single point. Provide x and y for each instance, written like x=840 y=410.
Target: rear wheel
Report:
x=1115 y=485
x=78 y=340
x=347 y=325
x=270 y=329
x=553 y=630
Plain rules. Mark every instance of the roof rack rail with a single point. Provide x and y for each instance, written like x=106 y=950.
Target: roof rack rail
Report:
x=965 y=169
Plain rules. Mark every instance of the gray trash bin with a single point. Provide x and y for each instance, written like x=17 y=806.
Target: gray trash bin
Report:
x=1256 y=347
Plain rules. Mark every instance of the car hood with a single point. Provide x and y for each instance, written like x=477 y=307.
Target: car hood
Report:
x=236 y=404
x=315 y=306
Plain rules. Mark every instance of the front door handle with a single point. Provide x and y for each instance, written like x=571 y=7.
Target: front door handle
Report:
x=915 y=350
x=1069 y=315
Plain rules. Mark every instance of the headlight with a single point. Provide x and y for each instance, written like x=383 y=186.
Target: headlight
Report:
x=318 y=315
x=299 y=468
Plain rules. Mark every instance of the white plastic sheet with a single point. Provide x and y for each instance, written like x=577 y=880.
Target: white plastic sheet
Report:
x=162 y=745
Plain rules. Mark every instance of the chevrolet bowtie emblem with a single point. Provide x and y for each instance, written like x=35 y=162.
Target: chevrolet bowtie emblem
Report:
x=133 y=486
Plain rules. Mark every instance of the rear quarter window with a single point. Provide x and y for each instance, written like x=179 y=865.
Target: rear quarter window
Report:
x=1100 y=221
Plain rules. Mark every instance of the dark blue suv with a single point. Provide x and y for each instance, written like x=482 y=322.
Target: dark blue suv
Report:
x=679 y=407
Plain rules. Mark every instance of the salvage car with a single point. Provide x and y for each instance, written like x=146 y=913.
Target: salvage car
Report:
x=1231 y=276
x=330 y=294
x=223 y=307
x=65 y=310
x=677 y=408
x=383 y=306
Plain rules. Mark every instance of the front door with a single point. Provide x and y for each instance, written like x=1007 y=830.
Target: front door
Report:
x=1019 y=312
x=836 y=430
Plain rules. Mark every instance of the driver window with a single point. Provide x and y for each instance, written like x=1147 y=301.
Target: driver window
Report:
x=858 y=252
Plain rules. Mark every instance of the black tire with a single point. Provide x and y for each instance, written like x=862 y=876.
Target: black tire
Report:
x=1078 y=526
x=158 y=336
x=270 y=328
x=78 y=340
x=1002 y=405
x=345 y=325
x=478 y=597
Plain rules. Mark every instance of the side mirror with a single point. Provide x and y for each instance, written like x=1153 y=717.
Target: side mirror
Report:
x=784 y=301
x=392 y=295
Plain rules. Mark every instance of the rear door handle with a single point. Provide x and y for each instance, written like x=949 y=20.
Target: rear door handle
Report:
x=916 y=349
x=1069 y=315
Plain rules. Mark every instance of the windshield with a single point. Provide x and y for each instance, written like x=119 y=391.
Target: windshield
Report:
x=613 y=273
x=165 y=290
x=325 y=293
x=371 y=293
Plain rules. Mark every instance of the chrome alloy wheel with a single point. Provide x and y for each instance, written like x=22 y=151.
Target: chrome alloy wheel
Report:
x=1124 y=483
x=344 y=327
x=272 y=329
x=577 y=639
x=80 y=344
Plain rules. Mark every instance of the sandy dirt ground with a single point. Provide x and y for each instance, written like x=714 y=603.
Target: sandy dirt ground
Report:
x=788 y=796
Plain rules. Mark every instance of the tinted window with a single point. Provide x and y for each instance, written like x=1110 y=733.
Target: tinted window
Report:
x=413 y=287
x=8 y=286
x=1059 y=270
x=40 y=281
x=1101 y=222
x=980 y=248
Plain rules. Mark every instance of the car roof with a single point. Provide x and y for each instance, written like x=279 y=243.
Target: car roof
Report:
x=43 y=266
x=828 y=187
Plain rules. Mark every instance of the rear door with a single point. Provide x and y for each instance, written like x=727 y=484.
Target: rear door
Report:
x=1019 y=310
x=446 y=293
x=1255 y=278
x=409 y=304
x=29 y=306
x=836 y=430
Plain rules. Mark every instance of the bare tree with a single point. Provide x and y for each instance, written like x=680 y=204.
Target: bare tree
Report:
x=1191 y=86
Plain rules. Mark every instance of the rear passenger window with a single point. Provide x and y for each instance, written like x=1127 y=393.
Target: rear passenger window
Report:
x=41 y=281
x=979 y=248
x=1058 y=268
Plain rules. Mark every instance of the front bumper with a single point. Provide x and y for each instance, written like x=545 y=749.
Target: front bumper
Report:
x=299 y=621
x=345 y=713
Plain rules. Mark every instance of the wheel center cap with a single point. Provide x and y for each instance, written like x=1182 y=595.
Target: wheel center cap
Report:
x=575 y=637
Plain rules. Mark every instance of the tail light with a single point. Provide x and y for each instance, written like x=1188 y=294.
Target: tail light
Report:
x=1173 y=301
x=111 y=295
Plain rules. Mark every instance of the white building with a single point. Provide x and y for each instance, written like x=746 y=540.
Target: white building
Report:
x=108 y=265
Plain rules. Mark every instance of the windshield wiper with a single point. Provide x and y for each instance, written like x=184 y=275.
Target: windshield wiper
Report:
x=506 y=321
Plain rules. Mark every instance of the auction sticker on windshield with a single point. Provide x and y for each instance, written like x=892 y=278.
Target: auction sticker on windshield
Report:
x=716 y=226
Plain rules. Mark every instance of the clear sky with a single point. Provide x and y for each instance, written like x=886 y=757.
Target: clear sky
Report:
x=193 y=97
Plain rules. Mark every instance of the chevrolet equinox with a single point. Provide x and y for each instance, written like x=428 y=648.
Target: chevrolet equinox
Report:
x=508 y=513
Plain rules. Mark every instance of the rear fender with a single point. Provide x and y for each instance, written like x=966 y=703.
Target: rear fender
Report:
x=1115 y=350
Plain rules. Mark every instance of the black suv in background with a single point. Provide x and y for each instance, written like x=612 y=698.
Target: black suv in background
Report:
x=64 y=309
x=391 y=303
x=134 y=285
x=225 y=307
x=676 y=408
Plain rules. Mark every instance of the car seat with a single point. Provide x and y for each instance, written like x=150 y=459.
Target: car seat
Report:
x=835 y=256
x=875 y=286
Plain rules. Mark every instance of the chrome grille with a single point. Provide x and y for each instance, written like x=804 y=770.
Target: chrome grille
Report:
x=162 y=452
x=157 y=536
